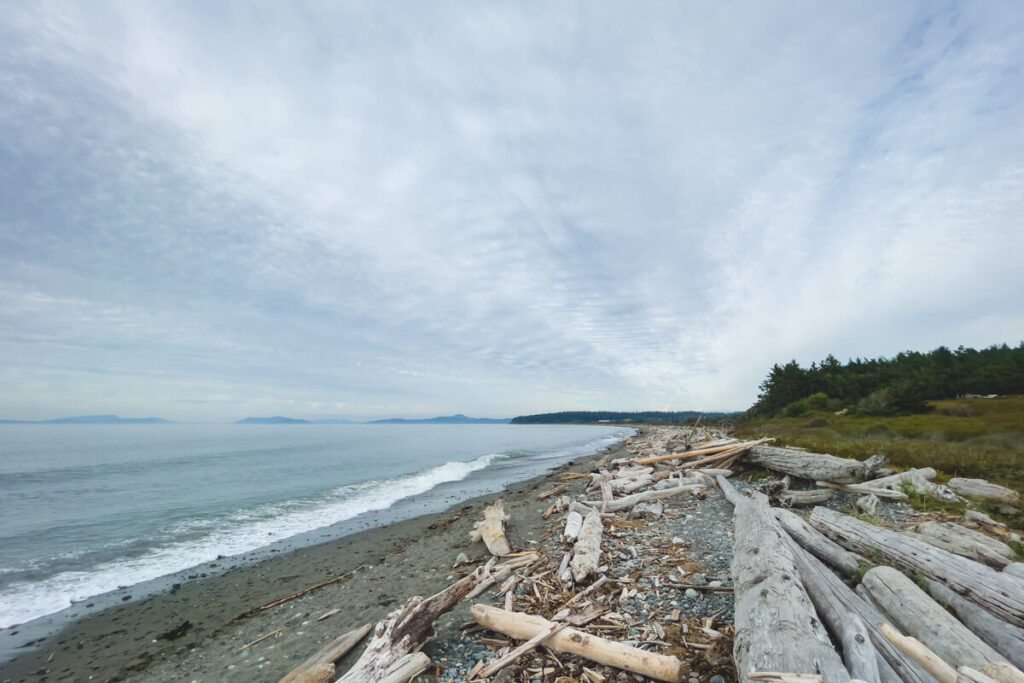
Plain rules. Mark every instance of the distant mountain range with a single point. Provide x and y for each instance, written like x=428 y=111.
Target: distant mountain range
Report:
x=94 y=420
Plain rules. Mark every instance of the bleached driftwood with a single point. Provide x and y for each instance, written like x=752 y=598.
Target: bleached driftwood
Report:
x=814 y=466
x=818 y=544
x=917 y=615
x=1015 y=569
x=647 y=510
x=979 y=518
x=552 y=492
x=573 y=524
x=983 y=490
x=320 y=667
x=865 y=489
x=920 y=653
x=689 y=454
x=966 y=542
x=898 y=480
x=714 y=471
x=791 y=498
x=848 y=627
x=1005 y=639
x=392 y=655
x=777 y=628
x=1000 y=594
x=586 y=554
x=492 y=529
x=626 y=502
x=525 y=626
x=867 y=503
x=824 y=586
x=494 y=574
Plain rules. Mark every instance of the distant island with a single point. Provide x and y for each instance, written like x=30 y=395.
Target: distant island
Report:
x=94 y=420
x=276 y=420
x=458 y=419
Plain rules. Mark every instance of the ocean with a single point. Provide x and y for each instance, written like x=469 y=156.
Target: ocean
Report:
x=88 y=509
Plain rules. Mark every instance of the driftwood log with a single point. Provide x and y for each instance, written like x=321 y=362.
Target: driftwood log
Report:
x=825 y=587
x=492 y=529
x=920 y=653
x=818 y=544
x=1014 y=569
x=320 y=667
x=896 y=481
x=983 y=490
x=814 y=466
x=392 y=655
x=965 y=542
x=865 y=489
x=1005 y=639
x=916 y=614
x=573 y=524
x=626 y=502
x=777 y=628
x=791 y=498
x=1000 y=594
x=586 y=554
x=525 y=626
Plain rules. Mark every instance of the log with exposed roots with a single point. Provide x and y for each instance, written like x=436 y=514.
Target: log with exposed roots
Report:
x=814 y=466
x=492 y=529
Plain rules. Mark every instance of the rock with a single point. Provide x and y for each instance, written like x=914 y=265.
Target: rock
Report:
x=461 y=559
x=699 y=580
x=717 y=679
x=690 y=593
x=715 y=584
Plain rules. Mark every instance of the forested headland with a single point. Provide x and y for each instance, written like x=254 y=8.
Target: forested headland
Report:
x=592 y=416
x=890 y=386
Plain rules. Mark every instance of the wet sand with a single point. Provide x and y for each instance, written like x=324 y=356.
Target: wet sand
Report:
x=197 y=631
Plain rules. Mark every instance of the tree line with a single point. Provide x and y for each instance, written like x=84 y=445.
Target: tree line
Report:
x=887 y=386
x=591 y=416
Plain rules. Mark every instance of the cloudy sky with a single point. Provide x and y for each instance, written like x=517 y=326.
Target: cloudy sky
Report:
x=213 y=210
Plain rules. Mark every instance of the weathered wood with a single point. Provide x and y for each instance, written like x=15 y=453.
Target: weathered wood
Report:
x=493 y=575
x=392 y=655
x=791 y=498
x=1000 y=594
x=917 y=615
x=915 y=649
x=561 y=488
x=979 y=518
x=825 y=587
x=814 y=466
x=320 y=667
x=688 y=454
x=846 y=626
x=896 y=481
x=818 y=544
x=867 y=503
x=570 y=640
x=965 y=542
x=492 y=529
x=1015 y=569
x=983 y=490
x=586 y=554
x=865 y=489
x=626 y=502
x=529 y=646
x=573 y=524
x=1004 y=638
x=777 y=628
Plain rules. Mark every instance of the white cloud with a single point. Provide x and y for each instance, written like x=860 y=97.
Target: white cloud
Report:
x=498 y=209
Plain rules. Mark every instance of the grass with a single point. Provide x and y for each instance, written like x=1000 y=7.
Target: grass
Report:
x=981 y=438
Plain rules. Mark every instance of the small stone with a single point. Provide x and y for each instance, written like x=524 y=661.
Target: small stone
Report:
x=699 y=580
x=715 y=584
x=690 y=593
x=676 y=540
x=694 y=680
x=461 y=559
x=717 y=679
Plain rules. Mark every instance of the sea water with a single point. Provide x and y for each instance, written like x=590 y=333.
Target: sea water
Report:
x=86 y=509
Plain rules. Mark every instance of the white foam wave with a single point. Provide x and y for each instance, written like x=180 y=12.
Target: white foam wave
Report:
x=239 y=533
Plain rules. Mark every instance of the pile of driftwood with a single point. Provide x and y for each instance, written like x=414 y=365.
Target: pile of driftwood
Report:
x=941 y=602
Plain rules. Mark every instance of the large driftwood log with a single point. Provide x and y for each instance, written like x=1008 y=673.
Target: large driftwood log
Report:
x=392 y=655
x=492 y=529
x=917 y=615
x=586 y=554
x=896 y=481
x=914 y=648
x=818 y=544
x=983 y=490
x=573 y=524
x=814 y=466
x=525 y=626
x=1005 y=639
x=965 y=542
x=1000 y=594
x=320 y=667
x=791 y=498
x=866 y=490
x=626 y=502
x=825 y=587
x=777 y=628
x=1014 y=569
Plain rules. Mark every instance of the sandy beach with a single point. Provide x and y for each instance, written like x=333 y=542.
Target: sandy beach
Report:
x=196 y=631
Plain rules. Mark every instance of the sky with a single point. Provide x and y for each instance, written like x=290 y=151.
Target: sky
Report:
x=341 y=209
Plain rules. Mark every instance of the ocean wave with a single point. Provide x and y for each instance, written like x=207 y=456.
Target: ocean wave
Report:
x=240 y=532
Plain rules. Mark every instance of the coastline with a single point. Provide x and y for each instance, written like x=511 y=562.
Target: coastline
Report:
x=196 y=630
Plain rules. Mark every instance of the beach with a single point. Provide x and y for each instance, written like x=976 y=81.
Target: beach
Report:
x=196 y=631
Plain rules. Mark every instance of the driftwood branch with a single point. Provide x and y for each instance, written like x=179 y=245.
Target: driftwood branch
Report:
x=320 y=667
x=492 y=529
